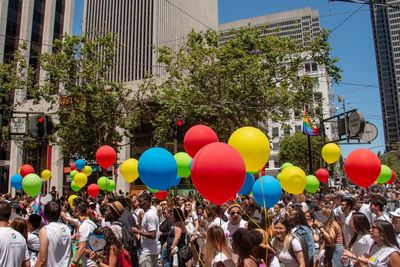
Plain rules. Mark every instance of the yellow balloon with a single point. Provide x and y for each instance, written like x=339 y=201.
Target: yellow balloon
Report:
x=71 y=200
x=46 y=175
x=87 y=170
x=253 y=145
x=129 y=170
x=331 y=153
x=80 y=179
x=19 y=170
x=293 y=180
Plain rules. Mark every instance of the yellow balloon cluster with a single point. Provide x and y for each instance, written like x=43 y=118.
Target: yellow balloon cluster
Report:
x=46 y=175
x=80 y=179
x=253 y=145
x=293 y=180
x=87 y=170
x=129 y=170
x=71 y=200
x=330 y=153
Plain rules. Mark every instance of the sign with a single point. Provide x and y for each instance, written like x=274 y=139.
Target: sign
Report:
x=356 y=123
x=18 y=125
x=370 y=132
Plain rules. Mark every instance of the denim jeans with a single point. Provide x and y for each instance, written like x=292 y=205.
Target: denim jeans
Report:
x=337 y=256
x=167 y=261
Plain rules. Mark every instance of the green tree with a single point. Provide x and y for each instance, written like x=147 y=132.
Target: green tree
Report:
x=294 y=149
x=91 y=110
x=248 y=79
x=392 y=159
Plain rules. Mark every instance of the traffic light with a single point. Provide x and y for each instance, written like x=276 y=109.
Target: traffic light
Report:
x=179 y=126
x=40 y=126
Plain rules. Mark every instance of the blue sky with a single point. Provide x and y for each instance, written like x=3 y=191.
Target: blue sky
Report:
x=352 y=43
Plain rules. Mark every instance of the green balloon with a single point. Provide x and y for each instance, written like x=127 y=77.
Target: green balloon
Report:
x=32 y=184
x=286 y=164
x=75 y=187
x=183 y=161
x=111 y=185
x=312 y=184
x=152 y=190
x=277 y=177
x=386 y=174
x=103 y=183
x=72 y=174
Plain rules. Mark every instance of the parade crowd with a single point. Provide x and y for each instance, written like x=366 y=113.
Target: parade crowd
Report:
x=335 y=227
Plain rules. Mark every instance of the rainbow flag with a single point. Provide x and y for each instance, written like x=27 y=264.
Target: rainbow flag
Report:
x=308 y=127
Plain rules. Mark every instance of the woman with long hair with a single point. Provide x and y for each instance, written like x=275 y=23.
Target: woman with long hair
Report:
x=385 y=251
x=287 y=246
x=361 y=242
x=331 y=233
x=177 y=236
x=217 y=250
x=112 y=252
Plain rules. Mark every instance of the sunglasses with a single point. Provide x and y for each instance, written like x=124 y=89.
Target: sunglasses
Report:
x=233 y=213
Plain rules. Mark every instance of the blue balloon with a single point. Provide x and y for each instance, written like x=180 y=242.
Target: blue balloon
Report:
x=16 y=181
x=247 y=185
x=80 y=164
x=267 y=191
x=157 y=168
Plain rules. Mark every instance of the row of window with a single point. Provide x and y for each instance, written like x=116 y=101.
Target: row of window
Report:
x=286 y=130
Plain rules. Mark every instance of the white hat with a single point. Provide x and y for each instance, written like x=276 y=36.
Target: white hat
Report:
x=396 y=213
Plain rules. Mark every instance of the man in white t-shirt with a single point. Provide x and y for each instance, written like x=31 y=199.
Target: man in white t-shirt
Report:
x=377 y=206
x=13 y=248
x=34 y=222
x=85 y=229
x=235 y=221
x=55 y=239
x=149 y=233
x=346 y=206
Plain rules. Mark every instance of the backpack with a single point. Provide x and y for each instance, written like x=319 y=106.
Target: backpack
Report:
x=303 y=248
x=129 y=242
x=124 y=259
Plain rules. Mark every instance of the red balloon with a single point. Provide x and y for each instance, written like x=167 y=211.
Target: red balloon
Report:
x=93 y=190
x=26 y=169
x=362 y=167
x=73 y=166
x=161 y=195
x=392 y=178
x=197 y=137
x=106 y=156
x=218 y=172
x=322 y=175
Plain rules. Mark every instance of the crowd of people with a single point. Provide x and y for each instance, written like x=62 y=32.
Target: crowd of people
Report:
x=336 y=227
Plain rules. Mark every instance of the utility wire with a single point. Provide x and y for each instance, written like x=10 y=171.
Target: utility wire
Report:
x=347 y=18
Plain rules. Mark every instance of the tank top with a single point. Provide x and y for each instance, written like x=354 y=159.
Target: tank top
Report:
x=59 y=247
x=380 y=255
x=171 y=236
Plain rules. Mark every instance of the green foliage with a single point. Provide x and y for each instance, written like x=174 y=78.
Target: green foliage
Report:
x=294 y=149
x=247 y=80
x=92 y=110
x=392 y=159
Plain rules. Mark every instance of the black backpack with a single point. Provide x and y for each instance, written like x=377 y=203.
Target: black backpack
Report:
x=129 y=243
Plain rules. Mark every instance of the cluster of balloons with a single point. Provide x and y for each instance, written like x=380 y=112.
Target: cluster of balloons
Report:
x=79 y=174
x=106 y=184
x=27 y=180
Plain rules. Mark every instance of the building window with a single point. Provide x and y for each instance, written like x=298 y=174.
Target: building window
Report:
x=275 y=146
x=286 y=130
x=297 y=128
x=275 y=132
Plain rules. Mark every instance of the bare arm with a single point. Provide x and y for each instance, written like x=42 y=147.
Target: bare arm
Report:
x=177 y=236
x=43 y=250
x=394 y=259
x=300 y=258
x=80 y=251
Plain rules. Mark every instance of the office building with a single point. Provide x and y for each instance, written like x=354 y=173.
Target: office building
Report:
x=386 y=31
x=300 y=25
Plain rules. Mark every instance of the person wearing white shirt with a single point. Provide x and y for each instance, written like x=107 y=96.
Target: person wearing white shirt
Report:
x=34 y=222
x=377 y=206
x=13 y=248
x=346 y=206
x=396 y=223
x=235 y=221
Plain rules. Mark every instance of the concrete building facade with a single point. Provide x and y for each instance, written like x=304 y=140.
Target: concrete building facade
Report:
x=386 y=31
x=300 y=25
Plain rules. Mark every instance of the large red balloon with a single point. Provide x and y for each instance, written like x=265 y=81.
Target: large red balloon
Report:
x=106 y=156
x=161 y=195
x=362 y=167
x=218 y=172
x=392 y=178
x=73 y=166
x=322 y=175
x=93 y=190
x=197 y=137
x=26 y=169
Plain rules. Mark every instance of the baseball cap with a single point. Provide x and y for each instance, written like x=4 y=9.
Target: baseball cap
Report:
x=395 y=213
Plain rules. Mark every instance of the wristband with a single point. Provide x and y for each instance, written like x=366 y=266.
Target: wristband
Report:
x=72 y=265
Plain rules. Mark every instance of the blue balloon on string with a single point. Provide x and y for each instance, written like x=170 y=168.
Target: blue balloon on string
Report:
x=267 y=191
x=16 y=181
x=247 y=185
x=80 y=164
x=157 y=168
